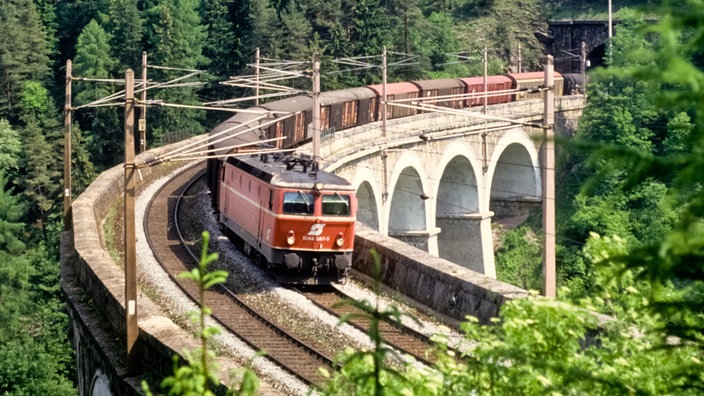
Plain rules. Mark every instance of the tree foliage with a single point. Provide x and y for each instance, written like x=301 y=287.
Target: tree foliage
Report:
x=25 y=57
x=94 y=60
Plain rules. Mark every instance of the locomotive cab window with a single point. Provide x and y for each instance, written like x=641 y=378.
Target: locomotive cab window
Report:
x=298 y=202
x=336 y=204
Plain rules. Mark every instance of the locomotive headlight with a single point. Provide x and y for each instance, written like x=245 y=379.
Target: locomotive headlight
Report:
x=318 y=186
x=290 y=239
x=340 y=240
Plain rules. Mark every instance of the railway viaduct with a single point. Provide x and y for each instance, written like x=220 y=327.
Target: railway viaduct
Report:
x=435 y=181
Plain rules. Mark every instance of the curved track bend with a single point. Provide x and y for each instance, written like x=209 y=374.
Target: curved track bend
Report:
x=230 y=311
x=234 y=315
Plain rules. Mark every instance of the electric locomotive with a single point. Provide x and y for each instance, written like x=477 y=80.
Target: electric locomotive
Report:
x=296 y=220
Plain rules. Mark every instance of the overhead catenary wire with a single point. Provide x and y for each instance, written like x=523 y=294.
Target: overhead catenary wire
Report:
x=223 y=136
x=445 y=110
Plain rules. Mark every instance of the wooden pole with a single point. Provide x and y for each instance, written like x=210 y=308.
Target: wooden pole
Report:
x=485 y=100
x=384 y=117
x=384 y=109
x=256 y=74
x=583 y=67
x=548 y=158
x=316 y=108
x=130 y=238
x=143 y=109
x=67 y=149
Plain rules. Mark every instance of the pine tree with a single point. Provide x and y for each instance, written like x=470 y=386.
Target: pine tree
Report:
x=176 y=39
x=10 y=147
x=297 y=32
x=369 y=27
x=41 y=180
x=266 y=30
x=24 y=50
x=222 y=46
x=93 y=60
x=123 y=23
x=42 y=159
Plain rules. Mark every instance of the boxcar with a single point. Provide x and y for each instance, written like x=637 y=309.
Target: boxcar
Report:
x=401 y=91
x=498 y=88
x=440 y=90
x=295 y=127
x=524 y=82
x=347 y=108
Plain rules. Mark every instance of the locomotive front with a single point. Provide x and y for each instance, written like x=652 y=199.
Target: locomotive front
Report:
x=315 y=231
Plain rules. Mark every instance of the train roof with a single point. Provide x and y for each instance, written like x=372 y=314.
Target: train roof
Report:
x=276 y=172
x=439 y=84
x=240 y=129
x=394 y=88
x=470 y=81
x=346 y=95
x=292 y=104
x=531 y=76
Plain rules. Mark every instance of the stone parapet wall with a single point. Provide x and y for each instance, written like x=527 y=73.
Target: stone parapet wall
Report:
x=435 y=283
x=95 y=289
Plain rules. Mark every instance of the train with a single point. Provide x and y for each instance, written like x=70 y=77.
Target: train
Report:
x=296 y=219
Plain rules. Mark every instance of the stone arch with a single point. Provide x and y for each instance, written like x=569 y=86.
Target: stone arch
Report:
x=514 y=176
x=457 y=188
x=407 y=208
x=100 y=384
x=368 y=197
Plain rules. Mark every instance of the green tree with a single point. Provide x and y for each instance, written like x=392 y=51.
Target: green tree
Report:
x=42 y=159
x=34 y=353
x=41 y=179
x=441 y=40
x=368 y=27
x=10 y=147
x=297 y=32
x=176 y=39
x=222 y=47
x=83 y=170
x=93 y=60
x=123 y=23
x=265 y=32
x=24 y=57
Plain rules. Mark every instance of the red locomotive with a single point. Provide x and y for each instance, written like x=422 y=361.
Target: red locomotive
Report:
x=296 y=220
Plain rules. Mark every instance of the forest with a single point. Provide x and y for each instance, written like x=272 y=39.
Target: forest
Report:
x=630 y=197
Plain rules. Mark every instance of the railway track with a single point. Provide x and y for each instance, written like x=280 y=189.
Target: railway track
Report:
x=228 y=308
x=403 y=338
x=292 y=352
